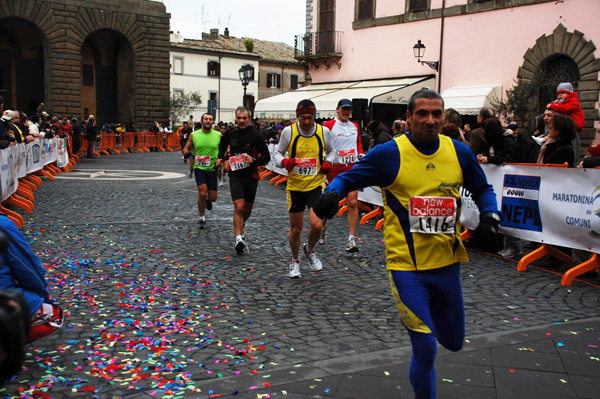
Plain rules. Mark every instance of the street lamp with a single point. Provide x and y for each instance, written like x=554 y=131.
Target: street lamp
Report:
x=419 y=50
x=245 y=72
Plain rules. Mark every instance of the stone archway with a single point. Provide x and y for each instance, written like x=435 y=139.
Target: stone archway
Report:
x=581 y=51
x=141 y=29
x=108 y=71
x=23 y=50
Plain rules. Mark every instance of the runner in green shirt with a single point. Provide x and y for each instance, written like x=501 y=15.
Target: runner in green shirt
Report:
x=203 y=147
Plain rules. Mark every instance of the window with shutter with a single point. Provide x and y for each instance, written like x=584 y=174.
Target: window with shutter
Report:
x=293 y=82
x=273 y=81
x=213 y=69
x=365 y=9
x=178 y=65
x=417 y=5
x=326 y=27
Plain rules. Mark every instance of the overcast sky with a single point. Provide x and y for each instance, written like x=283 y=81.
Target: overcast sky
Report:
x=273 y=20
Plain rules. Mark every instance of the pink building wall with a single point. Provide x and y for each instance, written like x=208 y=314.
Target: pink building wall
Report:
x=480 y=48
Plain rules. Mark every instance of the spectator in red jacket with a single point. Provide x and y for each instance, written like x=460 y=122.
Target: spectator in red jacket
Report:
x=567 y=103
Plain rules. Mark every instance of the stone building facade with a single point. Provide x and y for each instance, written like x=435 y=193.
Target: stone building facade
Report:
x=109 y=58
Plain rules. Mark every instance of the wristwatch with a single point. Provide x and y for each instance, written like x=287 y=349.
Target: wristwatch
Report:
x=253 y=160
x=493 y=215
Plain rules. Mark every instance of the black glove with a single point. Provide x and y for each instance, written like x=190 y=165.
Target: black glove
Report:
x=187 y=155
x=486 y=233
x=326 y=206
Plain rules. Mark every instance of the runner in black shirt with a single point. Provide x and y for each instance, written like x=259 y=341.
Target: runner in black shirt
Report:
x=248 y=151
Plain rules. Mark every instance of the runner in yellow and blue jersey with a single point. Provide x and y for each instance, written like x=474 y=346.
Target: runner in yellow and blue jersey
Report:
x=309 y=157
x=420 y=174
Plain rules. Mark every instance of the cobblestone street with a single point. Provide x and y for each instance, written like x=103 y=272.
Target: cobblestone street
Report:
x=156 y=306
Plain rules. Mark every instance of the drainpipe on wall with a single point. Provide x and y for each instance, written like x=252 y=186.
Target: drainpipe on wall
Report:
x=219 y=93
x=441 y=49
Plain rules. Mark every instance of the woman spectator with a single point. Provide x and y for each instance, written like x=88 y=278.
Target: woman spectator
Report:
x=451 y=130
x=452 y=116
x=501 y=149
x=558 y=149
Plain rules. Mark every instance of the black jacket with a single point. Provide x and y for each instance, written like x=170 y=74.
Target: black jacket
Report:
x=380 y=135
x=505 y=150
x=559 y=152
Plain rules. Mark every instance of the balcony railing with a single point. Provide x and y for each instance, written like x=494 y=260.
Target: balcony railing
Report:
x=316 y=45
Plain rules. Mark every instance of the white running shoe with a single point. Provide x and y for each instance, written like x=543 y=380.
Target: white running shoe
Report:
x=352 y=247
x=240 y=245
x=294 y=269
x=313 y=260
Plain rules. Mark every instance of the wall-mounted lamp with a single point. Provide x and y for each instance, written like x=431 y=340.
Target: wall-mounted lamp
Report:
x=419 y=50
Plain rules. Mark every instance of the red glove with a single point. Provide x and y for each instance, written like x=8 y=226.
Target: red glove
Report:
x=289 y=163
x=325 y=167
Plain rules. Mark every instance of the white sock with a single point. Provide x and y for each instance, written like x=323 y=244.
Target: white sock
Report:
x=202 y=218
x=238 y=237
x=351 y=237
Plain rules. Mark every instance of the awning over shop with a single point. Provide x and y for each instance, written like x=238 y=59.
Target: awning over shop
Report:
x=468 y=100
x=326 y=96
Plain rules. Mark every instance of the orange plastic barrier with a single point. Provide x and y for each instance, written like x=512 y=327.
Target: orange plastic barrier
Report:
x=84 y=146
x=592 y=264
x=34 y=179
x=129 y=141
x=108 y=142
x=171 y=142
x=152 y=139
x=543 y=250
x=28 y=184
x=359 y=205
x=14 y=216
x=277 y=178
x=373 y=214
x=20 y=202
x=265 y=173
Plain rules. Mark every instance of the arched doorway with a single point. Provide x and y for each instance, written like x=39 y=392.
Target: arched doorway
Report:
x=22 y=64
x=107 y=83
x=554 y=70
x=563 y=56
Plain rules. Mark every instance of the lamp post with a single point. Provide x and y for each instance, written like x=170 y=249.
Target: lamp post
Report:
x=245 y=74
x=419 y=50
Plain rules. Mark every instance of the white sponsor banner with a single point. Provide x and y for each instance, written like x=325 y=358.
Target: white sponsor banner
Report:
x=18 y=160
x=62 y=154
x=34 y=151
x=372 y=195
x=49 y=151
x=550 y=205
x=272 y=165
x=9 y=167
